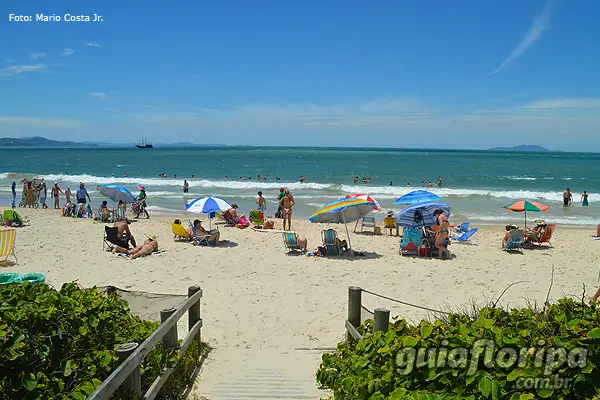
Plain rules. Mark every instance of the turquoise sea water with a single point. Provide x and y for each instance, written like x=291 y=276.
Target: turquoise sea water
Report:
x=476 y=184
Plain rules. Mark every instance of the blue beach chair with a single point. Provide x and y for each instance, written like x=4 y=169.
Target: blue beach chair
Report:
x=411 y=241
x=330 y=242
x=290 y=240
x=515 y=241
x=465 y=236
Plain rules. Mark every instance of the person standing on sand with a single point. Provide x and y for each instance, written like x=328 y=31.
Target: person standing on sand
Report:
x=261 y=202
x=287 y=202
x=584 y=198
x=82 y=194
x=43 y=193
x=567 y=198
x=14 y=193
x=279 y=197
x=55 y=191
x=141 y=199
x=186 y=186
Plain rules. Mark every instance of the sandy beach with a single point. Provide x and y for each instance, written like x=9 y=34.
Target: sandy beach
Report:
x=260 y=304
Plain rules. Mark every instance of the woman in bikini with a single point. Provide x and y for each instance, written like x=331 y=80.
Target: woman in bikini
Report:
x=442 y=232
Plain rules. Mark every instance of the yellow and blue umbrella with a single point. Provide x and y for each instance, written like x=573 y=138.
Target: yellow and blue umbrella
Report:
x=343 y=211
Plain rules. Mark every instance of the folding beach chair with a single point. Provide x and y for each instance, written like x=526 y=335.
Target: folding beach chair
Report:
x=290 y=240
x=546 y=235
x=203 y=240
x=465 y=236
x=515 y=241
x=111 y=240
x=180 y=233
x=368 y=222
x=329 y=237
x=411 y=242
x=7 y=243
x=463 y=227
x=119 y=214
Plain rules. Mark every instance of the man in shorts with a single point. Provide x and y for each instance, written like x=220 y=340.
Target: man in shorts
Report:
x=82 y=194
x=567 y=198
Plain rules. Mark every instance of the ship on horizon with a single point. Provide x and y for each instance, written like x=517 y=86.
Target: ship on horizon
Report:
x=144 y=144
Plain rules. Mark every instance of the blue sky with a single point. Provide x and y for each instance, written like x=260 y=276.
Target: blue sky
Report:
x=463 y=74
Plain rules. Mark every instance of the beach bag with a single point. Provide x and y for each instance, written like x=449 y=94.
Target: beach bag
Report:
x=243 y=222
x=33 y=278
x=10 y=277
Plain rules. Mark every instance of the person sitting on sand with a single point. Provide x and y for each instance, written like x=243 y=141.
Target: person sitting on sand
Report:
x=507 y=234
x=442 y=232
x=149 y=245
x=341 y=244
x=123 y=232
x=231 y=214
x=213 y=236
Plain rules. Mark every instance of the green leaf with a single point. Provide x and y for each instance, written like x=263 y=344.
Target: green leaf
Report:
x=68 y=368
x=93 y=320
x=398 y=394
x=28 y=381
x=588 y=368
x=77 y=396
x=87 y=388
x=426 y=330
x=106 y=359
x=594 y=333
x=544 y=393
x=514 y=374
x=485 y=386
x=410 y=341
x=486 y=323
x=526 y=396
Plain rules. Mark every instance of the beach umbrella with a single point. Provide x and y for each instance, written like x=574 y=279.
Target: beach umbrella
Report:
x=363 y=196
x=417 y=196
x=116 y=193
x=424 y=213
x=525 y=205
x=207 y=205
x=343 y=211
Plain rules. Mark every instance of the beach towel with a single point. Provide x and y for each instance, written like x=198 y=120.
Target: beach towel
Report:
x=154 y=252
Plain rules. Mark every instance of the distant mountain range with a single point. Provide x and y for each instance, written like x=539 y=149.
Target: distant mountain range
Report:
x=523 y=147
x=39 y=141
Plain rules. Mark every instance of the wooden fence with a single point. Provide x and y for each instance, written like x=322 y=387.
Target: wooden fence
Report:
x=126 y=379
x=381 y=316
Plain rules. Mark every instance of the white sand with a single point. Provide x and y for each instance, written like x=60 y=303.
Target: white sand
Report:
x=260 y=303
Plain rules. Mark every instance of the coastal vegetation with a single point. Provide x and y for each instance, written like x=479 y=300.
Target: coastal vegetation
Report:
x=516 y=354
x=59 y=344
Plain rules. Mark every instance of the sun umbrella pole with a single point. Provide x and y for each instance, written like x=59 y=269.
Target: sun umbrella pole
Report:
x=347 y=233
x=525 y=220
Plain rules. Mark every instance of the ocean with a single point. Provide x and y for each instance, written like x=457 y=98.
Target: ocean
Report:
x=476 y=184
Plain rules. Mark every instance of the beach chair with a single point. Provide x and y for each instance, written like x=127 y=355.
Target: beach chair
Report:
x=462 y=228
x=102 y=215
x=180 y=233
x=515 y=241
x=257 y=218
x=368 y=222
x=119 y=214
x=546 y=235
x=201 y=240
x=290 y=240
x=390 y=224
x=111 y=240
x=12 y=218
x=329 y=237
x=7 y=243
x=411 y=242
x=465 y=236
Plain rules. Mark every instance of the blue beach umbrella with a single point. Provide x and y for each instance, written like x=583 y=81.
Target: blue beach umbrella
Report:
x=343 y=211
x=417 y=196
x=116 y=193
x=423 y=212
x=207 y=205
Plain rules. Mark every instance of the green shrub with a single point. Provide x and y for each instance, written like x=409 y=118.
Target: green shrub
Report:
x=60 y=344
x=533 y=345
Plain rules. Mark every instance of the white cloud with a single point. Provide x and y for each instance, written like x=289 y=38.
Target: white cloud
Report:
x=10 y=61
x=98 y=95
x=91 y=44
x=20 y=69
x=52 y=123
x=36 y=55
x=566 y=103
x=68 y=52
x=540 y=24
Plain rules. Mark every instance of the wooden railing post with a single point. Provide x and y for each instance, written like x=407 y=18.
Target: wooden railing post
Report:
x=131 y=388
x=381 y=320
x=170 y=340
x=194 y=312
x=354 y=308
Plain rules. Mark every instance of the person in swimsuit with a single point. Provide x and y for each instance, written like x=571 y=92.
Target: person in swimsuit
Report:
x=29 y=193
x=68 y=194
x=142 y=202
x=584 y=199
x=567 y=198
x=124 y=233
x=186 y=186
x=55 y=191
x=261 y=202
x=149 y=245
x=439 y=182
x=442 y=232
x=287 y=202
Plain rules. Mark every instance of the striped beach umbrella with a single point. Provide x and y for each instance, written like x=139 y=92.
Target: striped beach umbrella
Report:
x=417 y=196
x=525 y=205
x=343 y=211
x=207 y=205
x=420 y=214
x=363 y=196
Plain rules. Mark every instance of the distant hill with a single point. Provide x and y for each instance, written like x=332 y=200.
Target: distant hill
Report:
x=38 y=141
x=523 y=147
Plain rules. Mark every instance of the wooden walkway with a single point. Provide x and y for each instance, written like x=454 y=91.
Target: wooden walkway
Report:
x=241 y=374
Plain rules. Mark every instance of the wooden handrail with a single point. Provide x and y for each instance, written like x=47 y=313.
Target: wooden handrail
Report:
x=123 y=371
